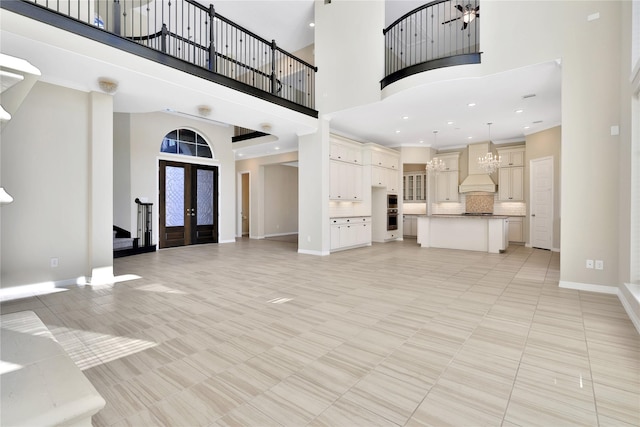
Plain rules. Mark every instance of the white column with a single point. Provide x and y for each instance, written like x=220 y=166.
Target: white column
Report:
x=313 y=191
x=101 y=188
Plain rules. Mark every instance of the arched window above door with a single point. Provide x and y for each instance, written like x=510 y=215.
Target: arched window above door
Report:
x=186 y=142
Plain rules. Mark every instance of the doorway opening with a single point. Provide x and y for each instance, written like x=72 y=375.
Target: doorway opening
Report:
x=541 y=205
x=244 y=221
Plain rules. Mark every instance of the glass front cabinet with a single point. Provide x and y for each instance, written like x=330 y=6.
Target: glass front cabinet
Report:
x=414 y=187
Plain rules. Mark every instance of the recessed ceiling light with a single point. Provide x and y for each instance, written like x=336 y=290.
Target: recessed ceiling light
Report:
x=240 y=154
x=469 y=137
x=526 y=127
x=421 y=141
x=405 y=117
x=471 y=104
x=450 y=122
x=397 y=131
x=277 y=148
x=519 y=111
x=312 y=24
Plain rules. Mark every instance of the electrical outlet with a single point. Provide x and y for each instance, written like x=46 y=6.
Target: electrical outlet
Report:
x=53 y=262
x=599 y=264
x=589 y=263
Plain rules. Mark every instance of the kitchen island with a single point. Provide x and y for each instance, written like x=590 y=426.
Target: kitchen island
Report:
x=486 y=233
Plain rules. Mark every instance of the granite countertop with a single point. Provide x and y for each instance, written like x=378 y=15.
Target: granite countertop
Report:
x=469 y=216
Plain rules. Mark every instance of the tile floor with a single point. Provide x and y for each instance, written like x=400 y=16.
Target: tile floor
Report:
x=255 y=334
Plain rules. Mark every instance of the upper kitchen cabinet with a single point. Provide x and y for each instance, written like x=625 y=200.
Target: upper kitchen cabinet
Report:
x=346 y=170
x=385 y=159
x=414 y=187
x=385 y=167
x=448 y=180
x=512 y=156
x=345 y=151
x=511 y=176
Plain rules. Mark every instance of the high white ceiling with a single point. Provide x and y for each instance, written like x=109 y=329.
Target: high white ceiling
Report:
x=441 y=107
x=428 y=107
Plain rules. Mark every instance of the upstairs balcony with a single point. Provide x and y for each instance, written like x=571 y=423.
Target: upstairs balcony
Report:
x=187 y=36
x=441 y=33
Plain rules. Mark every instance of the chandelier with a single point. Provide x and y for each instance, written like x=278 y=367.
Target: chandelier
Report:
x=488 y=163
x=435 y=165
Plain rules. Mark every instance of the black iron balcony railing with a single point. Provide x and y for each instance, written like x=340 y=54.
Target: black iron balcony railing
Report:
x=438 y=34
x=191 y=32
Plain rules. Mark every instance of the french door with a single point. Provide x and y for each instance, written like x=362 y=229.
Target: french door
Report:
x=188 y=204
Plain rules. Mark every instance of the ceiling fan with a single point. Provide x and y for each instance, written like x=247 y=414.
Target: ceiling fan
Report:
x=469 y=13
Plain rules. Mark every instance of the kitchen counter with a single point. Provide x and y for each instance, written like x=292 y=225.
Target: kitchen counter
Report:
x=486 y=233
x=467 y=216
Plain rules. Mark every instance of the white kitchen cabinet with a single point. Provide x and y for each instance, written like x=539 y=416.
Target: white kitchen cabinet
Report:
x=385 y=160
x=350 y=232
x=410 y=225
x=516 y=229
x=511 y=156
x=345 y=151
x=447 y=186
x=511 y=175
x=450 y=160
x=384 y=177
x=414 y=187
x=511 y=184
x=345 y=181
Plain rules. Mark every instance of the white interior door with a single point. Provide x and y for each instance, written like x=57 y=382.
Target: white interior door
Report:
x=541 y=204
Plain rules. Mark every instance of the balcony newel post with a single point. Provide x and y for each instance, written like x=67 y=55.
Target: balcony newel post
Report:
x=116 y=17
x=273 y=67
x=163 y=39
x=212 y=46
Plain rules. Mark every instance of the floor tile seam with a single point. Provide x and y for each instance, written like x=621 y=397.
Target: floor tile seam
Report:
x=520 y=362
x=453 y=357
x=593 y=390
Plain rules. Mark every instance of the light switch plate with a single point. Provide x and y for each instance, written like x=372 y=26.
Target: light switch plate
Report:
x=589 y=263
x=599 y=264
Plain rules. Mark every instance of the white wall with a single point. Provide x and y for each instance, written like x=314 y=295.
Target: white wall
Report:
x=280 y=200
x=122 y=173
x=146 y=134
x=257 y=206
x=348 y=53
x=45 y=168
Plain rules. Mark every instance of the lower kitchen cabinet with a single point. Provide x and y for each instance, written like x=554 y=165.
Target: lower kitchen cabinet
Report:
x=350 y=232
x=516 y=229
x=410 y=225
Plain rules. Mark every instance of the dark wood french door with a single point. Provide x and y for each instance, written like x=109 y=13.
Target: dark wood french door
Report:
x=188 y=204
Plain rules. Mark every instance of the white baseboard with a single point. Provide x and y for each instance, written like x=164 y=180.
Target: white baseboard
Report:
x=227 y=241
x=612 y=290
x=281 y=234
x=35 y=289
x=602 y=289
x=634 y=290
x=309 y=252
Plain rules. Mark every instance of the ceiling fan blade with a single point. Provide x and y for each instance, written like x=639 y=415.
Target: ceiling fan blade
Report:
x=459 y=7
x=477 y=9
x=464 y=26
x=451 y=20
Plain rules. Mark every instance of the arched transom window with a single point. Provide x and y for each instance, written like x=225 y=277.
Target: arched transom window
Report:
x=187 y=143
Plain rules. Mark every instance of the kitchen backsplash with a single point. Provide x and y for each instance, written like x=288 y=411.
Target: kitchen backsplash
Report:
x=479 y=203
x=499 y=208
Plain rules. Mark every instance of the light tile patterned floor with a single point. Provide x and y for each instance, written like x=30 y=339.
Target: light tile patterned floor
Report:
x=390 y=335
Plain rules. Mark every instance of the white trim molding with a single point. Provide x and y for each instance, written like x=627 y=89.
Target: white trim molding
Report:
x=316 y=253
x=602 y=289
x=633 y=290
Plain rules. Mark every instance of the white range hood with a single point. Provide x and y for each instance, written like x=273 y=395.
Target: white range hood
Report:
x=477 y=179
